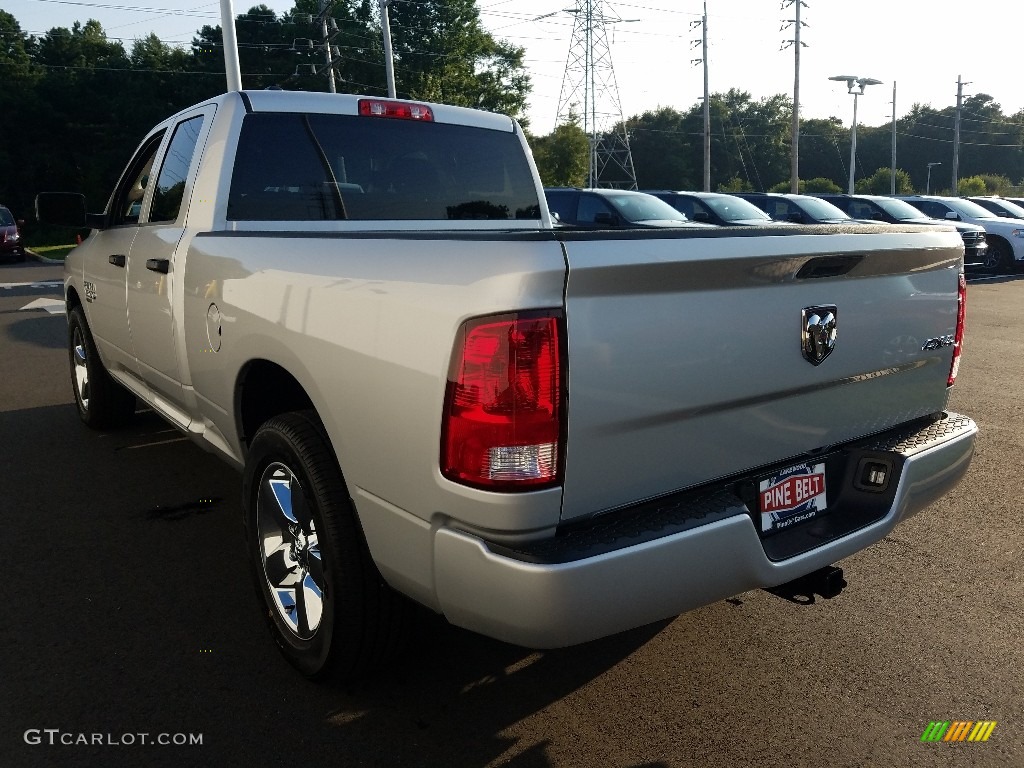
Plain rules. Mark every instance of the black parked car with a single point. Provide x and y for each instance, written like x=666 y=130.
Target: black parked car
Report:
x=716 y=208
x=800 y=209
x=605 y=208
x=893 y=211
x=10 y=238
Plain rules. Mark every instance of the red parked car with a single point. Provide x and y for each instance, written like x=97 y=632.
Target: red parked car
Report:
x=10 y=237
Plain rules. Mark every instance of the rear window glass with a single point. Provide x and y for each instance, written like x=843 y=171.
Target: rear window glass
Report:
x=298 y=167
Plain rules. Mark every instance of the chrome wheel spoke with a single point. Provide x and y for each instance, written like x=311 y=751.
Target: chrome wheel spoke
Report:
x=81 y=370
x=292 y=563
x=281 y=570
x=315 y=565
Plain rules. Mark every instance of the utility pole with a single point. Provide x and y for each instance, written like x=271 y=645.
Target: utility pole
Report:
x=794 y=152
x=389 y=59
x=707 y=106
x=703 y=23
x=956 y=134
x=892 y=174
x=325 y=7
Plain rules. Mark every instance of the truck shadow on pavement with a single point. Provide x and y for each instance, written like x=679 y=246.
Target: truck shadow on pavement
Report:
x=140 y=617
x=48 y=331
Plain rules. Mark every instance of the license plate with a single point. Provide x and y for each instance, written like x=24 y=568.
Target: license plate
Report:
x=791 y=496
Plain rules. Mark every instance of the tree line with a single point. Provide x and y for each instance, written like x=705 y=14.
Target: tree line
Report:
x=750 y=149
x=78 y=103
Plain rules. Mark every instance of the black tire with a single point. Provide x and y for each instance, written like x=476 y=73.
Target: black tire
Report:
x=999 y=258
x=102 y=403
x=313 y=546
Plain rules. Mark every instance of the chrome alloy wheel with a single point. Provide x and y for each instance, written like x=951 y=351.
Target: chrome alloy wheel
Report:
x=81 y=369
x=292 y=564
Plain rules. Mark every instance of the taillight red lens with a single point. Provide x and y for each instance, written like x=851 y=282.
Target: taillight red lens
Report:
x=958 y=344
x=502 y=427
x=402 y=110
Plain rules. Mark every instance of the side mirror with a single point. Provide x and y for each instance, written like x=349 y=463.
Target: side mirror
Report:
x=701 y=216
x=61 y=209
x=795 y=216
x=952 y=216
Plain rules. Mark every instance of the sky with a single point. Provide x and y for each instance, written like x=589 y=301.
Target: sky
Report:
x=922 y=47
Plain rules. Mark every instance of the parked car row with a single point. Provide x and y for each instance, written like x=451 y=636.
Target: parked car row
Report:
x=992 y=228
x=610 y=208
x=892 y=210
x=1005 y=236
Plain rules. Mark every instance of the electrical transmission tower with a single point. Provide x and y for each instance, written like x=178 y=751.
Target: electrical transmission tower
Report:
x=589 y=86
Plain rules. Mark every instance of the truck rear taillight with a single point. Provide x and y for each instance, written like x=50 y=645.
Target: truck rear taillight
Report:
x=958 y=343
x=503 y=410
x=402 y=110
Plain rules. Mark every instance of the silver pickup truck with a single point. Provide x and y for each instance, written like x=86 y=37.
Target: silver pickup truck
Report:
x=548 y=435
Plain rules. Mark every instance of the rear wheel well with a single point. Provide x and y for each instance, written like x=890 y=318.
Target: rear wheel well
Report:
x=71 y=300
x=265 y=390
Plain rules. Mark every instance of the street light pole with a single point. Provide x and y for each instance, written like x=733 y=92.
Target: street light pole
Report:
x=853 y=144
x=856 y=86
x=928 y=183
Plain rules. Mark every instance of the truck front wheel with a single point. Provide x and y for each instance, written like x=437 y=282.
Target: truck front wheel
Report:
x=102 y=402
x=325 y=603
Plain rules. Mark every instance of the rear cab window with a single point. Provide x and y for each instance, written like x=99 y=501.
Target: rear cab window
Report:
x=317 y=167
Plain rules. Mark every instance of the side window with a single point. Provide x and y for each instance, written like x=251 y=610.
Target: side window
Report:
x=932 y=208
x=170 y=186
x=590 y=206
x=858 y=209
x=126 y=203
x=684 y=206
x=564 y=204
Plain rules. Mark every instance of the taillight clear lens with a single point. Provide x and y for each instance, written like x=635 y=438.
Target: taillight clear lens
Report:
x=502 y=426
x=958 y=345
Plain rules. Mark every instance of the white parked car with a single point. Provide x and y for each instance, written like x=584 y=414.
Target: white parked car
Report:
x=1005 y=236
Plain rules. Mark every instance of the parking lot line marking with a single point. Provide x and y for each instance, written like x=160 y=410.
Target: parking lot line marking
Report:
x=53 y=306
x=36 y=284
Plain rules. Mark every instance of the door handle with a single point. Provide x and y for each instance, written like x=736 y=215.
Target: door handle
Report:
x=158 y=265
x=117 y=259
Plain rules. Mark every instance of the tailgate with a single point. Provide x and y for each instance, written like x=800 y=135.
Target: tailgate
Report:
x=685 y=350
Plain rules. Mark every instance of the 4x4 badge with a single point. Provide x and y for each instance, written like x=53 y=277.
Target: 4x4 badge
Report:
x=818 y=332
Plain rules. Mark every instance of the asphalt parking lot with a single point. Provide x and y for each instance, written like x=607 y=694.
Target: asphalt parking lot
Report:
x=129 y=611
